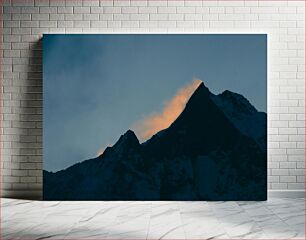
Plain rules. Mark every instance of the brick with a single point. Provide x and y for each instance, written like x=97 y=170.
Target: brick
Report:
x=35 y=173
x=185 y=24
x=21 y=16
x=42 y=3
x=129 y=10
x=112 y=10
x=261 y=10
x=121 y=17
x=296 y=186
x=91 y=16
x=62 y=10
x=40 y=16
x=176 y=17
x=273 y=165
x=73 y=17
x=241 y=10
x=231 y=3
x=161 y=17
x=105 y=17
x=202 y=10
x=81 y=9
x=96 y=9
x=176 y=3
x=23 y=3
x=82 y=24
x=221 y=24
x=47 y=23
x=19 y=173
x=10 y=179
x=6 y=16
x=30 y=24
x=291 y=10
x=296 y=172
x=91 y=3
x=185 y=10
x=167 y=24
x=229 y=17
x=28 y=179
x=299 y=154
x=288 y=53
x=158 y=3
x=288 y=179
x=300 y=165
x=11 y=24
x=193 y=3
x=148 y=24
x=140 y=17
x=193 y=17
x=11 y=9
x=11 y=53
x=138 y=3
x=29 y=10
x=130 y=24
x=147 y=9
x=74 y=3
x=65 y=24
x=300 y=179
x=6 y=172
x=284 y=117
x=300 y=144
x=297 y=124
x=98 y=24
x=287 y=165
x=288 y=131
x=265 y=24
x=122 y=3
x=166 y=10
x=273 y=179
x=21 y=31
x=57 y=17
x=107 y=3
x=59 y=3
x=280 y=172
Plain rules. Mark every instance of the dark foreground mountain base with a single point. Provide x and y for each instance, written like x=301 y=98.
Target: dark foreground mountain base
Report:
x=215 y=150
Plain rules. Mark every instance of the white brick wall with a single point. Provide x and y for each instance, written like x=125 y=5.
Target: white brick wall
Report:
x=24 y=22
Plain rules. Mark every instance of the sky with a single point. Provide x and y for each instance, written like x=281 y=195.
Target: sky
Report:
x=96 y=87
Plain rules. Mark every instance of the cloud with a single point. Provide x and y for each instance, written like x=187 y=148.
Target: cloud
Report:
x=155 y=122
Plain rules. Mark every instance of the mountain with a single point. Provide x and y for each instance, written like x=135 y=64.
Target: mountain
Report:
x=244 y=116
x=214 y=150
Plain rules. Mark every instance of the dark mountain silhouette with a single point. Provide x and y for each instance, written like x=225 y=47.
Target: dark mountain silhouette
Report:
x=244 y=116
x=215 y=150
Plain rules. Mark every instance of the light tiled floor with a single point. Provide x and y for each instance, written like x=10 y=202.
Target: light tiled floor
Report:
x=274 y=219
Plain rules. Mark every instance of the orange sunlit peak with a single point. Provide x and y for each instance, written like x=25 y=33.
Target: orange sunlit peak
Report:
x=155 y=122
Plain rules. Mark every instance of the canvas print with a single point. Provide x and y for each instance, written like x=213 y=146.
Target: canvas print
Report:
x=155 y=117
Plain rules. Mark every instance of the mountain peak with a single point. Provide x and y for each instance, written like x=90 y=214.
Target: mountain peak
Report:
x=238 y=100
x=130 y=133
x=129 y=136
x=201 y=87
x=129 y=139
x=201 y=93
x=228 y=93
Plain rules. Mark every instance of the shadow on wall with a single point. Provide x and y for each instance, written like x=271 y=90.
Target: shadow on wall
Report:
x=29 y=143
